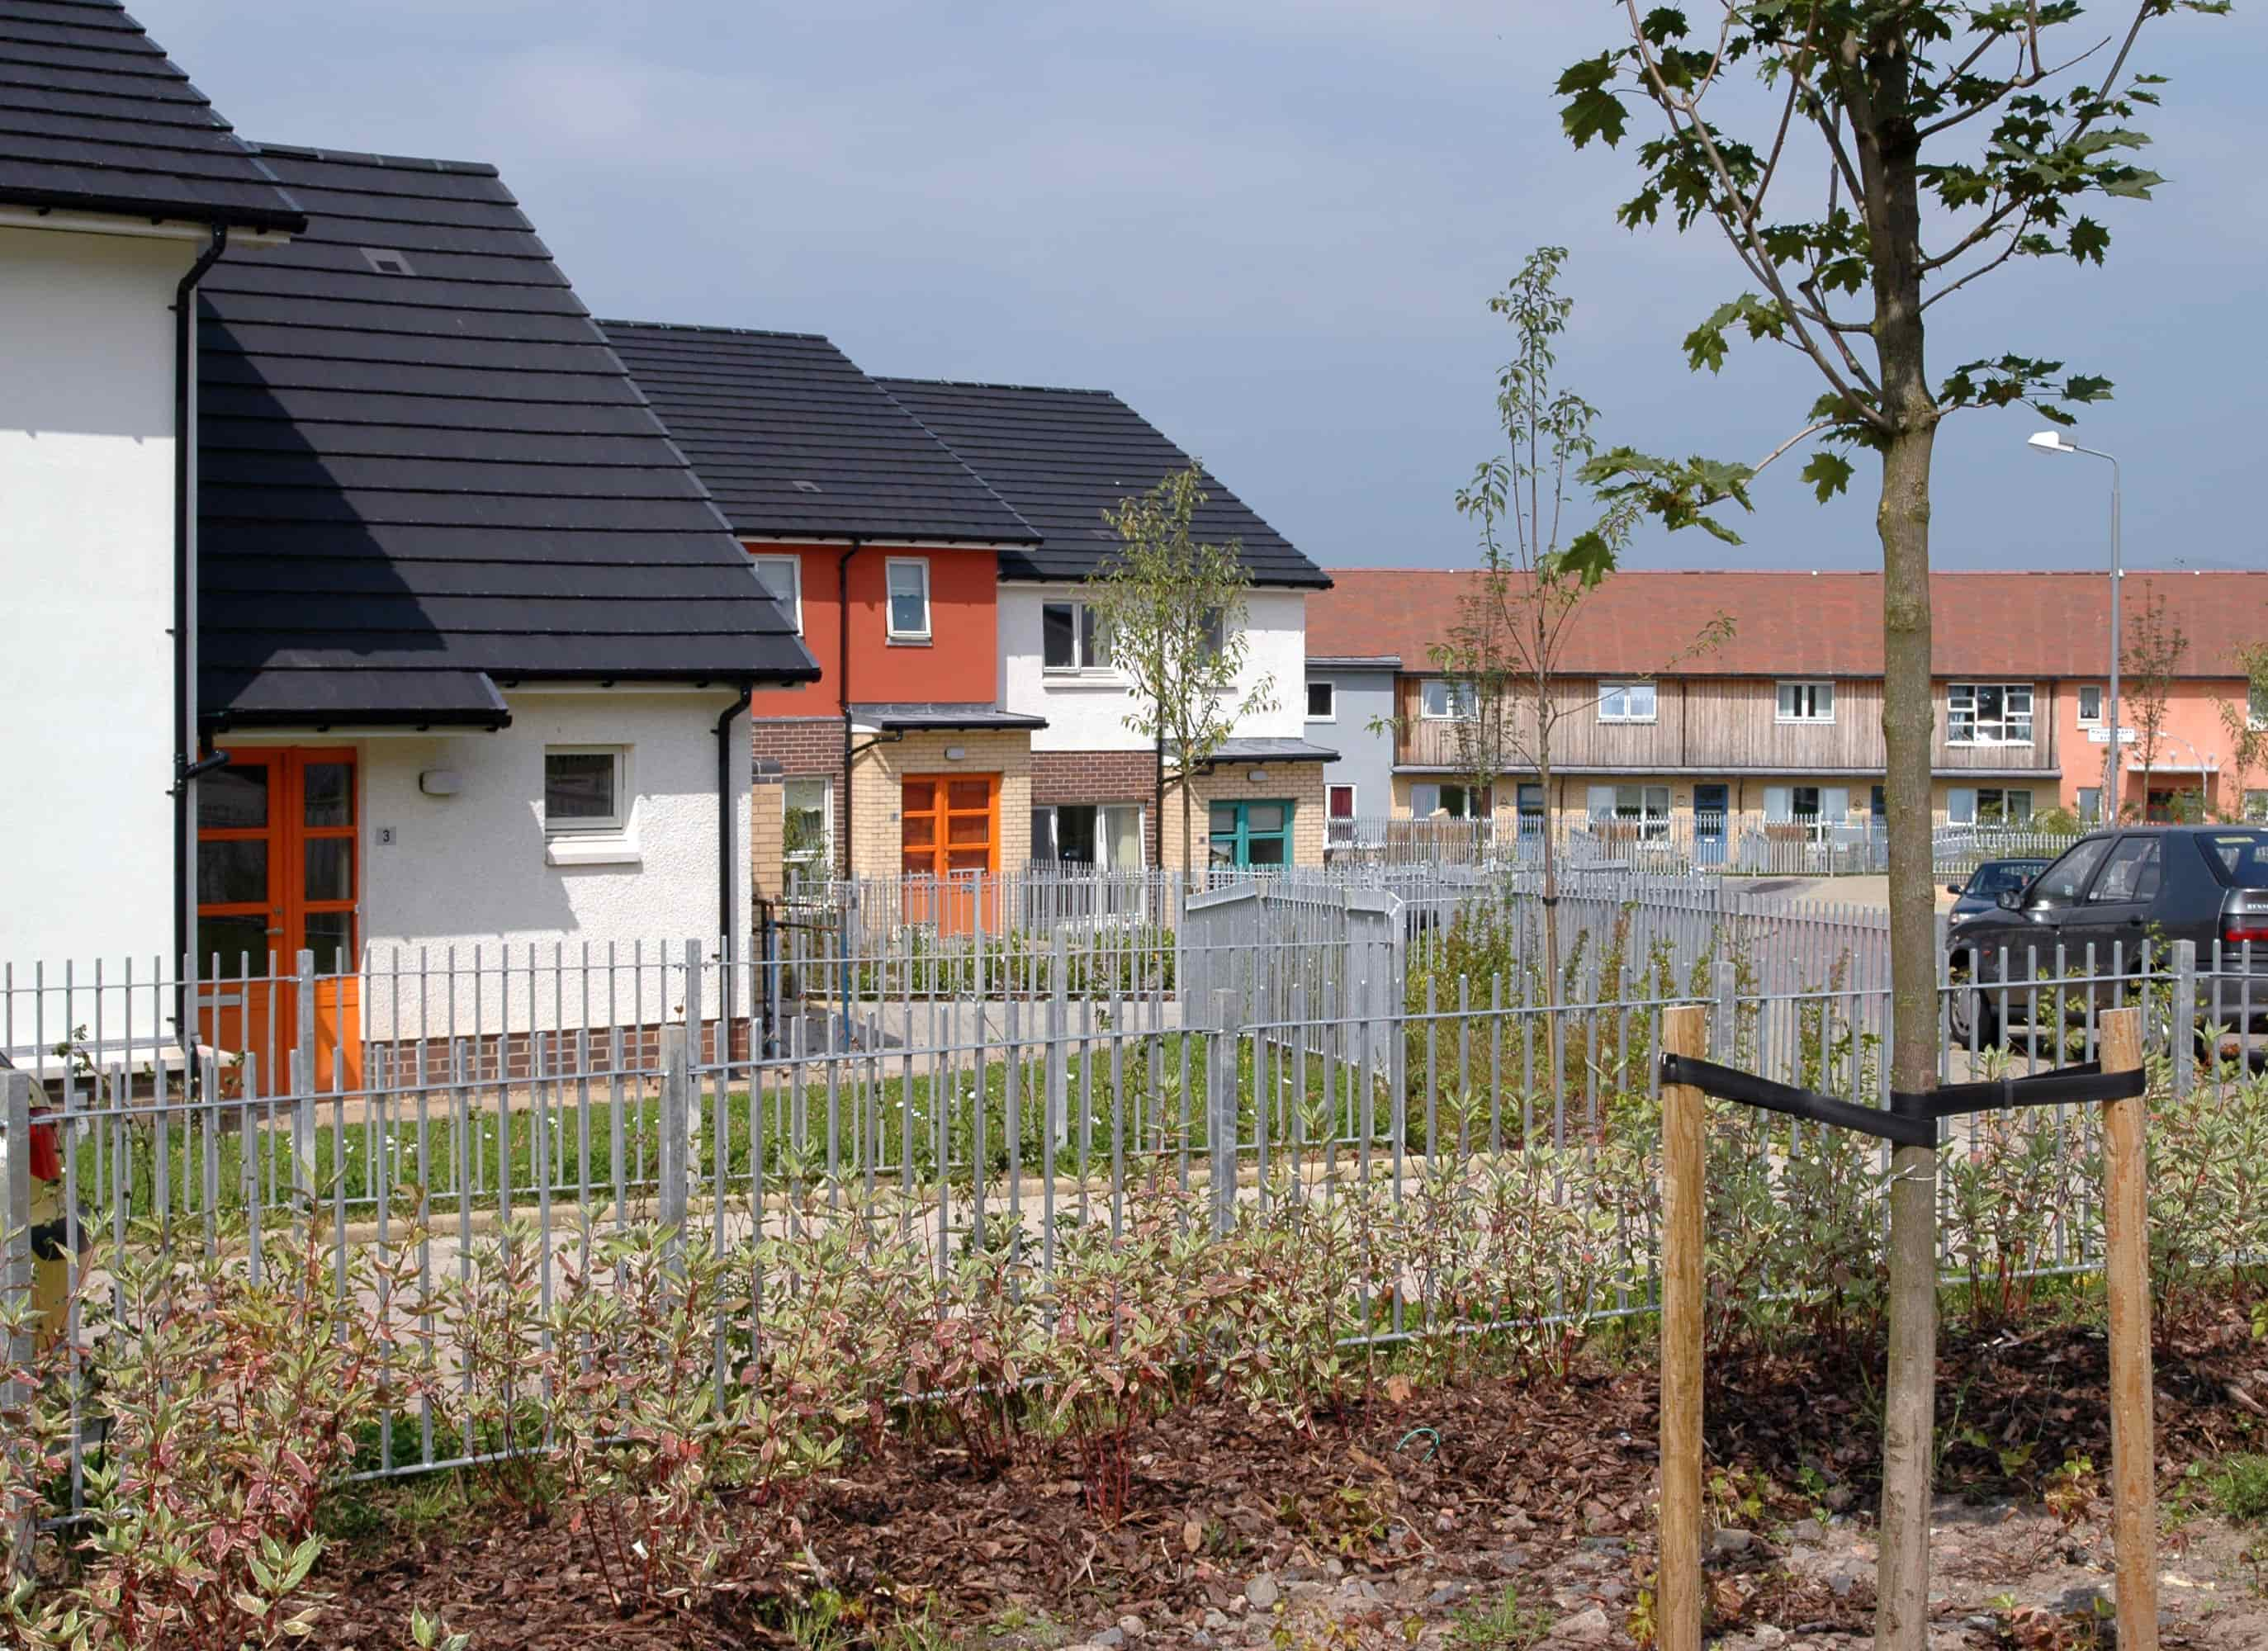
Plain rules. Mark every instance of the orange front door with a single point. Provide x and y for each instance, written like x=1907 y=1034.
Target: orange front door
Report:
x=950 y=824
x=277 y=875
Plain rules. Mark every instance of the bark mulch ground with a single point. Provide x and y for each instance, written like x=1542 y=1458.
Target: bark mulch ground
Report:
x=1397 y=1508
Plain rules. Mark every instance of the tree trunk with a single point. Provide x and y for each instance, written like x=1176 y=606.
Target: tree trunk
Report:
x=1189 y=848
x=1550 y=917
x=1909 y=720
x=1889 y=155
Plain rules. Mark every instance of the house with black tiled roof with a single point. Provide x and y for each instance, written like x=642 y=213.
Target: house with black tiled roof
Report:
x=930 y=540
x=466 y=647
x=886 y=547
x=1064 y=458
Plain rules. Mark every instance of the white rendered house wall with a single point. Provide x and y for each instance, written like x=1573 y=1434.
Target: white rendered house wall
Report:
x=86 y=547
x=476 y=870
x=1087 y=711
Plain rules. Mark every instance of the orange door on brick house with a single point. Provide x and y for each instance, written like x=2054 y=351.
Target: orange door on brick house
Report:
x=949 y=829
x=277 y=874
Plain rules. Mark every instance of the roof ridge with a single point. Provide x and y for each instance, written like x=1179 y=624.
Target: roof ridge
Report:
x=994 y=383
x=717 y=330
x=390 y=163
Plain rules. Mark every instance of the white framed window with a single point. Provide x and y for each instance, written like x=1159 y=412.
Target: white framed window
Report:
x=1215 y=627
x=1807 y=702
x=586 y=789
x=1095 y=836
x=806 y=830
x=1994 y=806
x=906 y=579
x=1322 y=702
x=1073 y=637
x=2090 y=704
x=1643 y=808
x=2090 y=802
x=1988 y=714
x=1626 y=702
x=1443 y=701
x=1451 y=800
x=781 y=578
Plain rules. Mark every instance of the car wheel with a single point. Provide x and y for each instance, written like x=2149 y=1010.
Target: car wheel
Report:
x=1973 y=1013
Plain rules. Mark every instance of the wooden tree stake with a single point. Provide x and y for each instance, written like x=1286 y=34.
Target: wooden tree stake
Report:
x=1677 y=1599
x=2133 y=1441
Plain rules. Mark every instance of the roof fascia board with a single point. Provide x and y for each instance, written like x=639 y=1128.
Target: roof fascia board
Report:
x=24 y=218
x=868 y=542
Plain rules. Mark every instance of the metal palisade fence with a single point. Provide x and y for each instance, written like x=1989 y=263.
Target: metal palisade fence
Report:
x=1718 y=844
x=985 y=1066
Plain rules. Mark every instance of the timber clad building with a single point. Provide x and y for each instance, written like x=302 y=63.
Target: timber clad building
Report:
x=1782 y=717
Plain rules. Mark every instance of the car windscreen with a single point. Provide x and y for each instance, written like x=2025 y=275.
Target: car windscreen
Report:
x=2239 y=858
x=1993 y=878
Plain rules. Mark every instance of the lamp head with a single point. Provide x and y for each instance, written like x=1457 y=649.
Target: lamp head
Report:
x=2048 y=441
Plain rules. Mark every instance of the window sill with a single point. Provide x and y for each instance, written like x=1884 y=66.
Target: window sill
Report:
x=1628 y=721
x=1080 y=677
x=909 y=642
x=597 y=849
x=1804 y=721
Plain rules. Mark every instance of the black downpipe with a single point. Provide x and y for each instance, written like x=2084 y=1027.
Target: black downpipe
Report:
x=186 y=766
x=842 y=684
x=728 y=920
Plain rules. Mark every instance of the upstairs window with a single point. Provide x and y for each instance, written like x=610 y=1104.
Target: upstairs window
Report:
x=1988 y=714
x=781 y=579
x=2090 y=705
x=1322 y=702
x=1444 y=700
x=1807 y=702
x=1626 y=702
x=1073 y=637
x=907 y=581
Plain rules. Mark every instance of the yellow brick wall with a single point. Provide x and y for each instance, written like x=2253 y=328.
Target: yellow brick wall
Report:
x=874 y=793
x=1300 y=783
x=766 y=832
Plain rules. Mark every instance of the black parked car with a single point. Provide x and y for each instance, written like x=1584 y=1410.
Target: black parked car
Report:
x=2112 y=890
x=1991 y=879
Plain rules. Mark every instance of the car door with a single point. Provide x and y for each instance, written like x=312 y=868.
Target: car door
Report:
x=2008 y=944
x=2114 y=915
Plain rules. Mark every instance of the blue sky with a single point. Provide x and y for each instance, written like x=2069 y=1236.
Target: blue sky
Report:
x=1273 y=228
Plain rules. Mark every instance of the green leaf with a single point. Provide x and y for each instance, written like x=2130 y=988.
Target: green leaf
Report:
x=1828 y=473
x=1589 y=557
x=2087 y=387
x=1594 y=113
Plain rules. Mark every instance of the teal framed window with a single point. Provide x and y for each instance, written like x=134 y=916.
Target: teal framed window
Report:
x=1250 y=834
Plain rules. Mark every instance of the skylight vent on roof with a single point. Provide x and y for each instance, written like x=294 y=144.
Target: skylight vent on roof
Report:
x=387 y=261
x=806 y=487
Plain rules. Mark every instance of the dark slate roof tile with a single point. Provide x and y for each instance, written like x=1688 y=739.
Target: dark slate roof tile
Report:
x=95 y=117
x=1064 y=457
x=453 y=479
x=794 y=441
x=364 y=698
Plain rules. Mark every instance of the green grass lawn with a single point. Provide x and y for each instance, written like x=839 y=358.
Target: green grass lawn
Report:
x=881 y=1115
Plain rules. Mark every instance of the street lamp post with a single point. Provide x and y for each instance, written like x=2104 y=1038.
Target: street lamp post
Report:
x=2050 y=442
